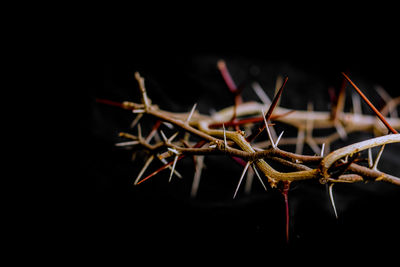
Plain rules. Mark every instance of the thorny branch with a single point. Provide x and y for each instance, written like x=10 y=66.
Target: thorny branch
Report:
x=339 y=166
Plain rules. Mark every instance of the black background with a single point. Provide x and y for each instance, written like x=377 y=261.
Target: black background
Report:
x=180 y=70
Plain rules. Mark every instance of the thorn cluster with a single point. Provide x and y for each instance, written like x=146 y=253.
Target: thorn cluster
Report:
x=221 y=134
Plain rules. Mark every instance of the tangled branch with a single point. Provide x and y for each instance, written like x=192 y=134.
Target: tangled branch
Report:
x=220 y=134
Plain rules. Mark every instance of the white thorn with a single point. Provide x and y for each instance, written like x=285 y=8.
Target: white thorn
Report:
x=267 y=128
x=139 y=132
x=129 y=143
x=356 y=104
x=259 y=177
x=173 y=168
x=370 y=160
x=226 y=144
x=378 y=157
x=163 y=136
x=170 y=167
x=138 y=111
x=332 y=200
x=197 y=175
x=322 y=149
x=172 y=137
x=169 y=125
x=136 y=120
x=279 y=138
x=241 y=178
x=149 y=160
x=213 y=146
x=341 y=131
x=300 y=141
x=191 y=113
x=249 y=181
x=261 y=94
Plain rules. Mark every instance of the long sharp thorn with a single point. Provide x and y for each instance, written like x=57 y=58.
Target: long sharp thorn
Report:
x=173 y=168
x=172 y=137
x=331 y=198
x=159 y=170
x=191 y=113
x=164 y=161
x=300 y=141
x=267 y=128
x=129 y=143
x=261 y=94
x=269 y=112
x=226 y=76
x=136 y=120
x=259 y=177
x=241 y=178
x=380 y=116
x=139 y=132
x=370 y=160
x=276 y=99
x=149 y=160
x=378 y=157
x=322 y=149
x=279 y=139
x=164 y=137
x=357 y=110
x=197 y=175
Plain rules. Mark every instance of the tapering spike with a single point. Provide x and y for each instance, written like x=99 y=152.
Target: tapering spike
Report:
x=249 y=181
x=378 y=157
x=341 y=130
x=259 y=177
x=357 y=110
x=332 y=200
x=172 y=137
x=278 y=84
x=140 y=137
x=163 y=136
x=279 y=139
x=149 y=160
x=191 y=113
x=322 y=149
x=158 y=170
x=377 y=113
x=261 y=94
x=300 y=141
x=267 y=128
x=164 y=161
x=129 y=143
x=173 y=167
x=226 y=76
x=241 y=178
x=370 y=160
x=197 y=175
x=136 y=120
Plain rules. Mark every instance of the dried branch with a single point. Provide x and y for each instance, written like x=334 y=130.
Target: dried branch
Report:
x=217 y=138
